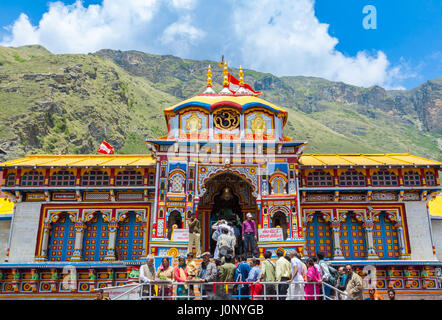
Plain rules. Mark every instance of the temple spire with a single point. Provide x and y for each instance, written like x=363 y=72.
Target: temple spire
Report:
x=209 y=88
x=226 y=82
x=241 y=89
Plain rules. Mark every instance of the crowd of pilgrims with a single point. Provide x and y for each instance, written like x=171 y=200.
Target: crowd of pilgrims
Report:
x=296 y=280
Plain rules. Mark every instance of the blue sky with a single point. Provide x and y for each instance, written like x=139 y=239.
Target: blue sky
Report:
x=286 y=37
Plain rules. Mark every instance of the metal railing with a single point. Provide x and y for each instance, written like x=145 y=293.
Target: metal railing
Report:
x=197 y=290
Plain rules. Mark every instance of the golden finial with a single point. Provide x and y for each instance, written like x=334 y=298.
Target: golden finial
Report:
x=226 y=75
x=241 y=77
x=209 y=76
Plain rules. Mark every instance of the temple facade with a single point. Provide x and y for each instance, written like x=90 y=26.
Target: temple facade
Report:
x=94 y=218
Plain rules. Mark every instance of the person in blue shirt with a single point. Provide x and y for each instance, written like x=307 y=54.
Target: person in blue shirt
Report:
x=342 y=280
x=254 y=276
x=241 y=274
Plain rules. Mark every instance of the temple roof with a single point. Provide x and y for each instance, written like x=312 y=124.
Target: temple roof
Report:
x=212 y=101
x=116 y=160
x=393 y=159
x=88 y=160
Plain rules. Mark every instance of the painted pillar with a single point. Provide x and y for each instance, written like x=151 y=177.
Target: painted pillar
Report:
x=400 y=232
x=44 y=243
x=110 y=252
x=371 y=251
x=337 y=250
x=78 y=246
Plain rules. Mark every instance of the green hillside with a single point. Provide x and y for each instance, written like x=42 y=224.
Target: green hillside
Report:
x=68 y=103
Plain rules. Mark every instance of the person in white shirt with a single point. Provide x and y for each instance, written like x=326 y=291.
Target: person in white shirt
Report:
x=296 y=289
x=147 y=274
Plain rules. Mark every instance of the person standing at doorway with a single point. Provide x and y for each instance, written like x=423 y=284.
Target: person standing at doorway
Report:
x=194 y=235
x=249 y=235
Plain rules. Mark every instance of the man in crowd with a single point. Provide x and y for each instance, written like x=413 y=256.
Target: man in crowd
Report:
x=208 y=272
x=283 y=273
x=342 y=281
x=268 y=271
x=354 y=284
x=296 y=289
x=194 y=235
x=148 y=274
x=249 y=235
x=327 y=275
x=227 y=272
x=191 y=272
x=241 y=274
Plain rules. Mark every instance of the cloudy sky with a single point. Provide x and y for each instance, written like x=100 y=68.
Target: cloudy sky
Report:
x=320 y=38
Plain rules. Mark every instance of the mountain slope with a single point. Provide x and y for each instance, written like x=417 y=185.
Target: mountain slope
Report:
x=69 y=103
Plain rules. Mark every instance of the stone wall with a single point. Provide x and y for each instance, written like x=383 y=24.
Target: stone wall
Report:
x=419 y=230
x=4 y=237
x=24 y=232
x=437 y=236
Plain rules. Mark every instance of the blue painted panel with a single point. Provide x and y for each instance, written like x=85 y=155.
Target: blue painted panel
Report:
x=318 y=237
x=61 y=240
x=130 y=239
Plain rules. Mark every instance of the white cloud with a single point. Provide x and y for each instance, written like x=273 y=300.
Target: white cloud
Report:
x=285 y=37
x=181 y=35
x=282 y=37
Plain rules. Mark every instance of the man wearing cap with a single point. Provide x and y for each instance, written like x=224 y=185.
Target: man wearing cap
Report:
x=249 y=235
x=207 y=271
x=194 y=235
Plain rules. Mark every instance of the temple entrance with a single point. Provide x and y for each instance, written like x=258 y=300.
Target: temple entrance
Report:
x=227 y=197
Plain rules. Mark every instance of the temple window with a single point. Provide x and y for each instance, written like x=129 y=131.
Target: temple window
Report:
x=151 y=179
x=278 y=186
x=61 y=239
x=62 y=178
x=318 y=237
x=129 y=178
x=96 y=238
x=412 y=178
x=32 y=178
x=385 y=238
x=174 y=219
x=129 y=245
x=319 y=179
x=352 y=178
x=176 y=183
x=353 y=239
x=10 y=180
x=430 y=178
x=279 y=220
x=95 y=178
x=384 y=178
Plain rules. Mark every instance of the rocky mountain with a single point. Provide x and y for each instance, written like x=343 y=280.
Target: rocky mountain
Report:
x=68 y=103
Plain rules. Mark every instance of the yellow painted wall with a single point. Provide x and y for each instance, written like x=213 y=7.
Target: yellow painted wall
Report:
x=6 y=206
x=435 y=206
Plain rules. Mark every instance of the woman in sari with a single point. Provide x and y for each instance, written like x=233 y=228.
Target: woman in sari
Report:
x=180 y=274
x=312 y=289
x=165 y=273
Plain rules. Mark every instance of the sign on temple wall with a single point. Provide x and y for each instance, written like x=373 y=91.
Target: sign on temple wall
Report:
x=319 y=197
x=270 y=234
x=384 y=196
x=180 y=235
x=352 y=197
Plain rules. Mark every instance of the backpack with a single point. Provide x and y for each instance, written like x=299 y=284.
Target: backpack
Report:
x=332 y=274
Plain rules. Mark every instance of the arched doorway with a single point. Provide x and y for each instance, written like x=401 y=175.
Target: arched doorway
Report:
x=228 y=197
x=279 y=220
x=174 y=219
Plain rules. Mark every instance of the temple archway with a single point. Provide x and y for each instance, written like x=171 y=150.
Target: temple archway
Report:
x=227 y=196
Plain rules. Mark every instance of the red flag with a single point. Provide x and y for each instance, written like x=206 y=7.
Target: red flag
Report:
x=234 y=86
x=105 y=148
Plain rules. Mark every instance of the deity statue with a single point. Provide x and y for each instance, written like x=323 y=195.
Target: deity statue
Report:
x=258 y=125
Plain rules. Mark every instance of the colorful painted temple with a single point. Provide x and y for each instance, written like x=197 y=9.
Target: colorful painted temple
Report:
x=224 y=155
